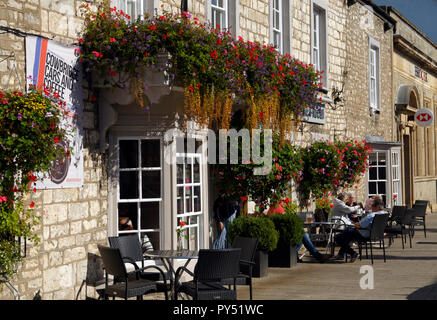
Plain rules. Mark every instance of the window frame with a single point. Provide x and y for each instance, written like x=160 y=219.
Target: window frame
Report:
x=224 y=10
x=232 y=15
x=374 y=49
x=322 y=64
x=275 y=30
x=142 y=6
x=140 y=199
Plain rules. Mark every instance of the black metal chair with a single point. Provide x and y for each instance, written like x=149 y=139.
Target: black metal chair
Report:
x=376 y=234
x=247 y=261
x=213 y=266
x=401 y=216
x=124 y=286
x=95 y=277
x=131 y=252
x=418 y=218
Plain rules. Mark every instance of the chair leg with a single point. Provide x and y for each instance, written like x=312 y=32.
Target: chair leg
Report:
x=359 y=249
x=424 y=226
x=371 y=251
x=383 y=249
x=367 y=253
x=250 y=288
x=402 y=237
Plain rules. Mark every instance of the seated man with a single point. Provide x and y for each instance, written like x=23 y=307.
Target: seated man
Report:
x=360 y=231
x=341 y=208
x=312 y=249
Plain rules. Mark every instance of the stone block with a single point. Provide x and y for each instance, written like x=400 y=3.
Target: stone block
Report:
x=66 y=242
x=65 y=195
x=55 y=213
x=74 y=254
x=59 y=230
x=55 y=258
x=94 y=208
x=58 y=278
x=89 y=224
x=78 y=210
x=75 y=227
x=83 y=239
x=58 y=23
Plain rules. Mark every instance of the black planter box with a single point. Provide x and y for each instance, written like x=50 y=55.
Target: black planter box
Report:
x=284 y=256
x=260 y=269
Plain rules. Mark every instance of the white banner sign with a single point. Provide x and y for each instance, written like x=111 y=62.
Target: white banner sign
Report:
x=55 y=66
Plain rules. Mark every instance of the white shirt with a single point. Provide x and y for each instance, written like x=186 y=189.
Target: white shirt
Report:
x=342 y=209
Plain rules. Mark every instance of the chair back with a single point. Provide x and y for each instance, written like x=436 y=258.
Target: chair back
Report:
x=215 y=265
x=113 y=262
x=419 y=210
x=248 y=247
x=95 y=274
x=409 y=214
x=421 y=202
x=398 y=213
x=129 y=246
x=378 y=226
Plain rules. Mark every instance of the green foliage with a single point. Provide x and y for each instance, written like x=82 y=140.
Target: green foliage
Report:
x=290 y=228
x=259 y=227
x=29 y=132
x=237 y=181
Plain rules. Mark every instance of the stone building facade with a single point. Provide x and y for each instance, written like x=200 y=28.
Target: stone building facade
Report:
x=337 y=35
x=414 y=87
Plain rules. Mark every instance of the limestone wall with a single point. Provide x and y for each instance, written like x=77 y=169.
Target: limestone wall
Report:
x=73 y=220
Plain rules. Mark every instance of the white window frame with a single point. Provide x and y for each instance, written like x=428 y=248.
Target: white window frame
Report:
x=185 y=216
x=141 y=7
x=232 y=15
x=140 y=199
x=277 y=31
x=396 y=176
x=319 y=38
x=374 y=75
x=377 y=180
x=223 y=10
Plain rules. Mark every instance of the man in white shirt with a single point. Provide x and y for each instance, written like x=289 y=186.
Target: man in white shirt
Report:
x=341 y=208
x=360 y=231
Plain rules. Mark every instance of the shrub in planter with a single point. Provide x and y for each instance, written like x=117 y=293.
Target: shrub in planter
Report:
x=263 y=229
x=290 y=230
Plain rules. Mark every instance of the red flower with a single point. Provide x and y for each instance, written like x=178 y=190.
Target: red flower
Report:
x=80 y=40
x=181 y=31
x=243 y=198
x=32 y=204
x=152 y=28
x=214 y=55
x=56 y=139
x=182 y=224
x=112 y=40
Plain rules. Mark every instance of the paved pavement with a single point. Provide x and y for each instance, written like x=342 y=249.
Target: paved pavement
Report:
x=408 y=274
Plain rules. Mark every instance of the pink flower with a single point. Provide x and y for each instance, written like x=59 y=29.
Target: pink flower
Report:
x=3 y=199
x=112 y=40
x=97 y=54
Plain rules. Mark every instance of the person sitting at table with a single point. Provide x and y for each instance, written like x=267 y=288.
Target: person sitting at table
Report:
x=341 y=210
x=306 y=242
x=360 y=231
x=350 y=201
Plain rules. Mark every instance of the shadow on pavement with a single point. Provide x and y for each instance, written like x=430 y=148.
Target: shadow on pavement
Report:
x=425 y=293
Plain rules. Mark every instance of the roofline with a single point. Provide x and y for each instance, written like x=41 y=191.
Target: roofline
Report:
x=389 y=9
x=389 y=22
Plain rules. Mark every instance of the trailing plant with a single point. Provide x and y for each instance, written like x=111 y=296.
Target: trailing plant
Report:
x=29 y=135
x=211 y=64
x=260 y=227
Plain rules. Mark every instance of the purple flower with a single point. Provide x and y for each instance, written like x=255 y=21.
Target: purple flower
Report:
x=20 y=116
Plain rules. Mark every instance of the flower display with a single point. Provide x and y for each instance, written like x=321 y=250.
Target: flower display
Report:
x=29 y=128
x=199 y=53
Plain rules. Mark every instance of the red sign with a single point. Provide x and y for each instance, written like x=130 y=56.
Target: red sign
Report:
x=424 y=117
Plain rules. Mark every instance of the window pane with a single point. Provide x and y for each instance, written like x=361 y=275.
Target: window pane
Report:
x=150 y=153
x=372 y=159
x=372 y=174
x=180 y=200
x=129 y=188
x=381 y=159
x=372 y=188
x=188 y=199
x=196 y=169
x=381 y=187
x=214 y=2
x=188 y=169
x=382 y=173
x=127 y=216
x=128 y=154
x=180 y=173
x=151 y=184
x=151 y=242
x=197 y=199
x=150 y=215
x=193 y=238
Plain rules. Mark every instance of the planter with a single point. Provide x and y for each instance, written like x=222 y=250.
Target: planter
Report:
x=260 y=269
x=284 y=256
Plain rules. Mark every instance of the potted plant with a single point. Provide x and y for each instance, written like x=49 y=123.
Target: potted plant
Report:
x=263 y=229
x=290 y=229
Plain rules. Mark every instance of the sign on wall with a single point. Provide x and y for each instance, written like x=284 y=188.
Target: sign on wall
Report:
x=424 y=117
x=50 y=64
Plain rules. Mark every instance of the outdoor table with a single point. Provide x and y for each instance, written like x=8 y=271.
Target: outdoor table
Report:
x=331 y=226
x=167 y=257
